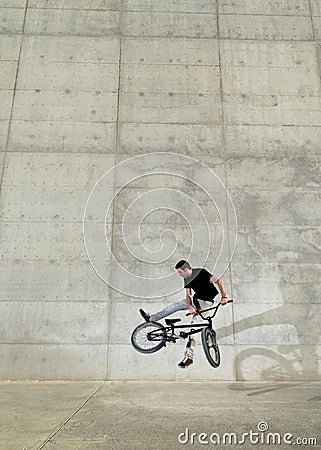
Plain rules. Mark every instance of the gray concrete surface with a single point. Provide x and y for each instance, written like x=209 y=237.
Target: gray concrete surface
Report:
x=86 y=84
x=163 y=415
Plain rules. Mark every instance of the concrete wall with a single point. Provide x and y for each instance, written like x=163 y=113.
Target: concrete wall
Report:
x=86 y=84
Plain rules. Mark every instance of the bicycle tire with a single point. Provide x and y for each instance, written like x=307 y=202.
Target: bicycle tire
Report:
x=143 y=340
x=210 y=347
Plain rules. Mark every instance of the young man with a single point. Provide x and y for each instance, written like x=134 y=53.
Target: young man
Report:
x=201 y=282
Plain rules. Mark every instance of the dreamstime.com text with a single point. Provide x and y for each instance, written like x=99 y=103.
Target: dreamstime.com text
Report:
x=261 y=437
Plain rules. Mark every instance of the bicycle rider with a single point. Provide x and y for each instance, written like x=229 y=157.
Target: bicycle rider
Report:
x=201 y=282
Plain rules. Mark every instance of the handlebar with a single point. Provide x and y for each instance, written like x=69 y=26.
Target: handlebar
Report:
x=209 y=309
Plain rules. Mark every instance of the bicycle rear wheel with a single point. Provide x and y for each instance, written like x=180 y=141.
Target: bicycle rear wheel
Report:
x=149 y=337
x=210 y=346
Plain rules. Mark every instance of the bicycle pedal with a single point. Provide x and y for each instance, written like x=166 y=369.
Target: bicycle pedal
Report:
x=183 y=334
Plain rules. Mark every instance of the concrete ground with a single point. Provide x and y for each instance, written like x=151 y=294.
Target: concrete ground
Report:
x=160 y=415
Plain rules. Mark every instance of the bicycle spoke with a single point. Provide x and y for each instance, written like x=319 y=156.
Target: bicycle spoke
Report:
x=148 y=337
x=210 y=347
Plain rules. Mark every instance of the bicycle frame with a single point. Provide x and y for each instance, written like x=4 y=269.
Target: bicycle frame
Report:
x=173 y=337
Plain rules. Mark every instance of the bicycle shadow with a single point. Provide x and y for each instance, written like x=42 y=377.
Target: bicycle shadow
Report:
x=293 y=362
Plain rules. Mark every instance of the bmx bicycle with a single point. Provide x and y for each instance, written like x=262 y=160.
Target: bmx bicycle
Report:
x=149 y=337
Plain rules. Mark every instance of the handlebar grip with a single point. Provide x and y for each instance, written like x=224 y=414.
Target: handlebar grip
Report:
x=230 y=301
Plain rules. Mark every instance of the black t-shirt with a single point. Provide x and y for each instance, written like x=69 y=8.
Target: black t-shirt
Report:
x=200 y=282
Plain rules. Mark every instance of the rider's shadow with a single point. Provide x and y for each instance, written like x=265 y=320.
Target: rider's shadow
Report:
x=287 y=342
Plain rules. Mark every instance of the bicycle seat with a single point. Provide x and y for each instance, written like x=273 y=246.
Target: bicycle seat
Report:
x=171 y=321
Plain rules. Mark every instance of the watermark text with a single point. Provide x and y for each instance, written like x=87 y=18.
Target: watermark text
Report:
x=261 y=437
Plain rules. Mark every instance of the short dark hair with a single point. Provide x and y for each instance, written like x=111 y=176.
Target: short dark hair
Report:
x=182 y=264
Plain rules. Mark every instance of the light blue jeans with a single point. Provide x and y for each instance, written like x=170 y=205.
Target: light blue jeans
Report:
x=181 y=306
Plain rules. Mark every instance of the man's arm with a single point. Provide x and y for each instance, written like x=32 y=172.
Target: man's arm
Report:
x=189 y=301
x=221 y=288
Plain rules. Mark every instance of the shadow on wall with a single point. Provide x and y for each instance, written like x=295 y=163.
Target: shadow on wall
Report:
x=294 y=362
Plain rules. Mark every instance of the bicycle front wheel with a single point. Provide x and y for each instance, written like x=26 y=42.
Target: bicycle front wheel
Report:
x=149 y=337
x=210 y=346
